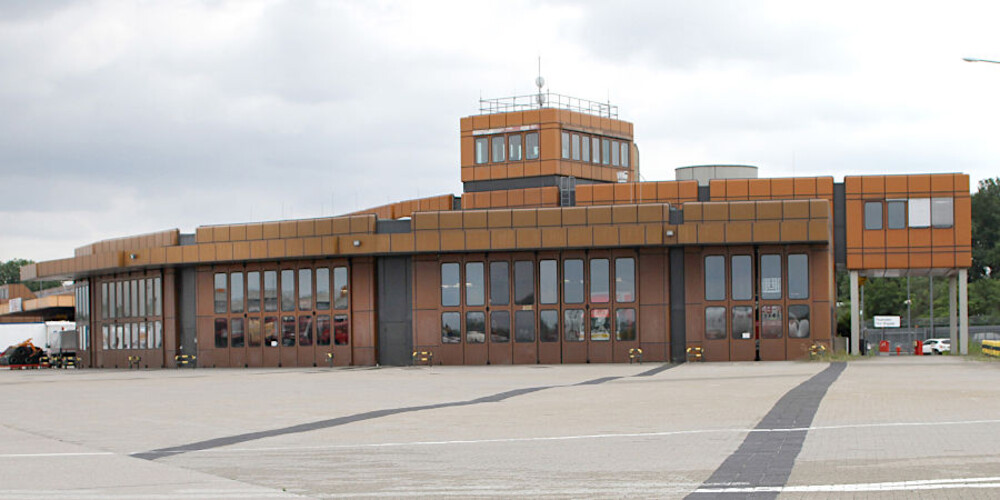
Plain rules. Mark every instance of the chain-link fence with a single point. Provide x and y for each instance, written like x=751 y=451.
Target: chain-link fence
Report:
x=904 y=338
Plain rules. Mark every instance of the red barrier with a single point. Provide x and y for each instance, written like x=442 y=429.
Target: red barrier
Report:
x=883 y=346
x=918 y=347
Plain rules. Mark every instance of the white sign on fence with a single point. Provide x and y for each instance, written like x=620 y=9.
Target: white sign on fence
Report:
x=886 y=321
x=14 y=305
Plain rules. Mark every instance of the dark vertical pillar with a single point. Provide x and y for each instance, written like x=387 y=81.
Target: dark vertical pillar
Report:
x=678 y=323
x=394 y=308
x=186 y=304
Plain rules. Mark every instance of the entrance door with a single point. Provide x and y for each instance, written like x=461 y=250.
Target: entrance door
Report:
x=395 y=306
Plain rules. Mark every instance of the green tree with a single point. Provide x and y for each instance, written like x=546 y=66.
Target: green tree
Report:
x=10 y=271
x=986 y=230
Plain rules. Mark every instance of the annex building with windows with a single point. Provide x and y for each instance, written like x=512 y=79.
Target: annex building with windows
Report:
x=555 y=252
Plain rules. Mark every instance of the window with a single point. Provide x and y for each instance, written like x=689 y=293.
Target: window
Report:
x=236 y=295
x=514 y=143
x=158 y=293
x=798 y=321
x=625 y=154
x=576 y=146
x=499 y=284
x=599 y=281
x=288 y=331
x=743 y=322
x=498 y=148
x=143 y=339
x=873 y=215
x=597 y=150
x=565 y=145
x=253 y=291
x=305 y=330
x=221 y=333
x=111 y=300
x=548 y=281
x=585 y=148
x=524 y=326
x=157 y=335
x=104 y=336
x=221 y=293
x=134 y=284
x=573 y=281
x=606 y=151
x=770 y=322
x=323 y=288
x=531 y=145
x=450 y=291
x=340 y=330
x=119 y=297
x=253 y=332
x=340 y=288
x=742 y=276
x=770 y=277
x=897 y=214
x=524 y=283
x=920 y=212
x=500 y=326
x=451 y=328
x=236 y=333
x=600 y=325
x=715 y=277
x=270 y=291
x=625 y=280
x=548 y=325
x=942 y=212
x=305 y=290
x=715 y=323
x=287 y=290
x=625 y=324
x=151 y=292
x=573 y=325
x=474 y=284
x=127 y=300
x=798 y=276
x=271 y=331
x=323 y=329
x=615 y=152
x=482 y=150
x=142 y=298
x=104 y=301
x=475 y=327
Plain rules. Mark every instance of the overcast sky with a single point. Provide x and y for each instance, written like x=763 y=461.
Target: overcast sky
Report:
x=120 y=118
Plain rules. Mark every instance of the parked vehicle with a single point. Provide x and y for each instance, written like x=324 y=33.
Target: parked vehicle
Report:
x=937 y=346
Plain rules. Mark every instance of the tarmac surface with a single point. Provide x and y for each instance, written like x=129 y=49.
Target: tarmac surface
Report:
x=908 y=427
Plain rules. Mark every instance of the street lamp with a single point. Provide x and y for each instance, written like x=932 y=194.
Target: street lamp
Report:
x=973 y=59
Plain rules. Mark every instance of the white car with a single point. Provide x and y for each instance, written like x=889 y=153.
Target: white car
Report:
x=937 y=346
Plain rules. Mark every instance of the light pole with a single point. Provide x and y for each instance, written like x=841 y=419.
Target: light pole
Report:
x=973 y=59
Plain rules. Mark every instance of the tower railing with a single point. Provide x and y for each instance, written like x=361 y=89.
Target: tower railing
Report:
x=547 y=100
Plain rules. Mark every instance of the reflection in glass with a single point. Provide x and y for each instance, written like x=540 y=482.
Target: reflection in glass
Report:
x=142 y=299
x=919 y=211
x=236 y=292
x=715 y=323
x=770 y=277
x=798 y=321
x=524 y=282
x=548 y=325
x=271 y=331
x=715 y=277
x=340 y=331
x=942 y=212
x=323 y=288
x=142 y=335
x=270 y=291
x=585 y=149
x=127 y=300
x=600 y=324
x=524 y=326
x=742 y=276
x=576 y=146
x=573 y=328
x=514 y=142
x=743 y=322
x=770 y=322
x=236 y=332
x=288 y=331
x=499 y=326
x=798 y=276
x=253 y=332
x=499 y=284
x=450 y=280
x=474 y=284
x=323 y=329
x=475 y=327
x=305 y=290
x=305 y=330
x=498 y=148
x=221 y=333
x=482 y=150
x=565 y=145
x=340 y=288
x=157 y=335
x=573 y=281
x=531 y=145
x=253 y=291
x=897 y=214
x=548 y=281
x=451 y=328
x=625 y=324
x=158 y=292
x=625 y=280
x=873 y=215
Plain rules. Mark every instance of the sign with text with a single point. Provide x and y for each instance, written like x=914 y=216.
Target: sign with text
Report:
x=886 y=321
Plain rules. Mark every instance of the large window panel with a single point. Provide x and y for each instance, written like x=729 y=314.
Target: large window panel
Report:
x=524 y=326
x=548 y=325
x=625 y=280
x=221 y=293
x=305 y=290
x=942 y=212
x=576 y=146
x=158 y=292
x=798 y=321
x=531 y=146
x=475 y=291
x=614 y=153
x=919 y=212
x=340 y=288
x=798 y=276
x=573 y=326
x=600 y=325
x=323 y=329
x=127 y=300
x=475 y=327
x=606 y=151
x=341 y=333
x=548 y=281
x=599 y=281
x=524 y=282
x=625 y=154
x=221 y=333
x=596 y=150
x=287 y=290
x=253 y=291
x=451 y=328
x=142 y=299
x=573 y=281
x=104 y=301
x=715 y=323
x=253 y=332
x=565 y=145
x=288 y=331
x=770 y=277
x=498 y=149
x=770 y=322
x=743 y=322
x=157 y=335
x=625 y=324
x=896 y=214
x=271 y=331
x=482 y=150
x=270 y=291
x=742 y=277
x=499 y=326
x=236 y=333
x=134 y=285
x=585 y=148
x=715 y=277
x=305 y=330
x=499 y=284
x=323 y=288
x=873 y=215
x=450 y=284
x=514 y=143
x=236 y=292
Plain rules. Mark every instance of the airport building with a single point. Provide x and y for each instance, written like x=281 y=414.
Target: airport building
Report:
x=555 y=252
